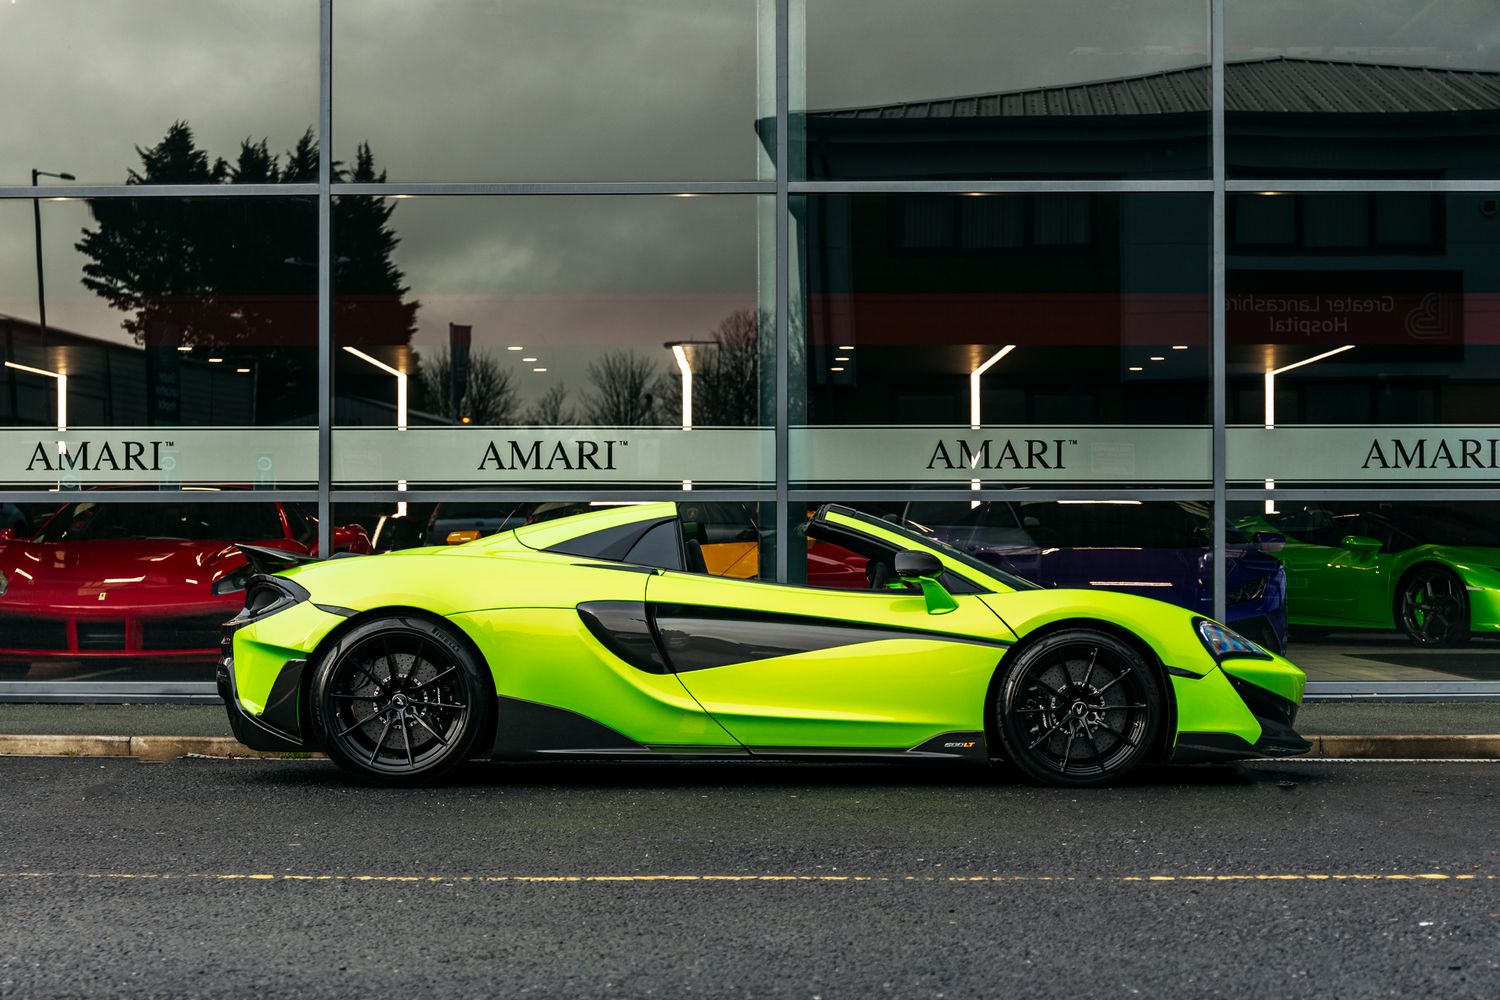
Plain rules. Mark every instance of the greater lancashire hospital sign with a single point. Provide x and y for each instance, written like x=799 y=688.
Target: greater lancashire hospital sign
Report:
x=669 y=457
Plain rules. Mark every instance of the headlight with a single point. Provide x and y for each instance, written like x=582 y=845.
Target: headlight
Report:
x=1225 y=644
x=1252 y=591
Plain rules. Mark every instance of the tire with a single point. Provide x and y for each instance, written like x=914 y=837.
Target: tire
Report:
x=1078 y=708
x=400 y=701
x=1432 y=607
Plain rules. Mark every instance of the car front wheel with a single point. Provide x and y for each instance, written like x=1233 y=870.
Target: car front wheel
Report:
x=1078 y=708
x=1433 y=607
x=400 y=701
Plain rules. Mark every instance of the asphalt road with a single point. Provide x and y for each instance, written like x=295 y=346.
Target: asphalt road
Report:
x=278 y=878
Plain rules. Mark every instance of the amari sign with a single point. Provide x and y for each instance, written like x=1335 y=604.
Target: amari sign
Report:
x=1000 y=456
x=1350 y=454
x=668 y=457
x=159 y=456
x=545 y=456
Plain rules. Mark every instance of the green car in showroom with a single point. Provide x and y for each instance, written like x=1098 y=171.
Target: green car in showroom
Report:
x=601 y=635
x=1427 y=569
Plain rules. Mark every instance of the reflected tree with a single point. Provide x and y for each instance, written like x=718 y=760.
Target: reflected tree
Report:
x=552 y=410
x=726 y=373
x=489 y=396
x=625 y=390
x=239 y=276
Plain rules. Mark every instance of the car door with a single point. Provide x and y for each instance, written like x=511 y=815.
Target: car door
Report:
x=801 y=668
x=1327 y=582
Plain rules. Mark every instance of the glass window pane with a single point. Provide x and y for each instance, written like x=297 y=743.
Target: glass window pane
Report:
x=152 y=566
x=1367 y=348
x=171 y=324
x=592 y=341
x=998 y=88
x=1329 y=88
x=1001 y=339
x=89 y=82
x=540 y=90
x=1386 y=590
x=731 y=537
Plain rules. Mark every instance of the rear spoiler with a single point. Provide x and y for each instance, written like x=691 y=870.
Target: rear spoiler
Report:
x=260 y=561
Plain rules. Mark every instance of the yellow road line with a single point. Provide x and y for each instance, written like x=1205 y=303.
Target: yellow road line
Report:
x=272 y=877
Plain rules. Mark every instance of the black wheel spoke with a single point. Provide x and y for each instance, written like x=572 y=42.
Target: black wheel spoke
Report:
x=1118 y=678
x=1089 y=673
x=1111 y=730
x=423 y=723
x=1089 y=735
x=1038 y=682
x=1118 y=708
x=434 y=680
x=375 y=752
x=439 y=704
x=355 y=725
x=1067 y=756
x=406 y=735
x=354 y=697
x=380 y=685
x=1045 y=736
x=390 y=660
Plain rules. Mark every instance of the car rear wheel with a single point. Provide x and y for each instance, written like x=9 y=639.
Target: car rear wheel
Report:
x=1078 y=708
x=400 y=701
x=1433 y=607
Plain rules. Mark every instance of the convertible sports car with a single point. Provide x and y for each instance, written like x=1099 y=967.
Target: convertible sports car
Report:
x=1430 y=570
x=601 y=634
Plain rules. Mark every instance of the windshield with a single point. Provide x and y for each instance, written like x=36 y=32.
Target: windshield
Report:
x=925 y=536
x=89 y=521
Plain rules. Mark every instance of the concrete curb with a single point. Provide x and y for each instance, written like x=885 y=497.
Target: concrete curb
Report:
x=156 y=749
x=153 y=749
x=1449 y=747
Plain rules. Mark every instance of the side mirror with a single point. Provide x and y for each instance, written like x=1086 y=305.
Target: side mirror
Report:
x=1270 y=542
x=1361 y=545
x=924 y=569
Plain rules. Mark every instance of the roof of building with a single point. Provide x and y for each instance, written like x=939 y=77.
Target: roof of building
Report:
x=1278 y=85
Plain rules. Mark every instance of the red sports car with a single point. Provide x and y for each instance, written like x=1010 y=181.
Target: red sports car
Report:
x=109 y=581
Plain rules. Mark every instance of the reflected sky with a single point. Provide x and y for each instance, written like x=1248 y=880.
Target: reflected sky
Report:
x=562 y=89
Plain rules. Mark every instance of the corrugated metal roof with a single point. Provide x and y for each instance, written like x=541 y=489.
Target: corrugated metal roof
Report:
x=1281 y=85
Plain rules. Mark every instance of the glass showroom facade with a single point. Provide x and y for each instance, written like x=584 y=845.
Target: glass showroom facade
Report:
x=1197 y=299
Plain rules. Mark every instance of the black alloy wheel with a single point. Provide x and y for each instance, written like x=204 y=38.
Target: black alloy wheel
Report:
x=1078 y=708
x=1432 y=607
x=400 y=701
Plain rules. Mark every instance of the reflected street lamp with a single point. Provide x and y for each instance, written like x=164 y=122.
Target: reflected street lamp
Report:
x=36 y=212
x=679 y=349
x=400 y=408
x=974 y=416
x=1271 y=400
x=62 y=391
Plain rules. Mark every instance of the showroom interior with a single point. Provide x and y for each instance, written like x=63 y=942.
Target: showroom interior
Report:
x=1195 y=299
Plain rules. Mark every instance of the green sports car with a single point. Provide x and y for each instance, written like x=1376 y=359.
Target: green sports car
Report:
x=1430 y=570
x=601 y=635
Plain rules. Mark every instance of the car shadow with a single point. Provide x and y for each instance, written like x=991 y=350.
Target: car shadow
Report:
x=779 y=774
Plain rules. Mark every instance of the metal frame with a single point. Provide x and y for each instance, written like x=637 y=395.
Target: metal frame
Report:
x=782 y=493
